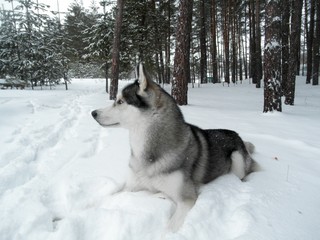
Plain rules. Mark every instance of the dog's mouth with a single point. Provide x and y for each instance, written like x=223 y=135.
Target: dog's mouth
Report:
x=109 y=125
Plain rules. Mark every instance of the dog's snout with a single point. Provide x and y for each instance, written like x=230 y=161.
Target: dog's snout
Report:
x=94 y=113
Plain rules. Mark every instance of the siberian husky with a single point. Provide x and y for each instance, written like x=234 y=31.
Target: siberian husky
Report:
x=169 y=155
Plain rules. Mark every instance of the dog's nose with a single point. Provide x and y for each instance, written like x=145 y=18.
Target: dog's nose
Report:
x=94 y=113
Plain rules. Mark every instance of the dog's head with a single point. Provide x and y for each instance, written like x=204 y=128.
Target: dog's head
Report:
x=134 y=100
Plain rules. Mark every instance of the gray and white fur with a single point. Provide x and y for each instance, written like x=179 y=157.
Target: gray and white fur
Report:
x=169 y=155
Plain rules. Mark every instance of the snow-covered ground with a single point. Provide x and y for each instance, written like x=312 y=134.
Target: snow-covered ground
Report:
x=58 y=168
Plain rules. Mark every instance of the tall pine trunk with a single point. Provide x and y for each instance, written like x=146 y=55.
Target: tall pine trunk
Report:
x=316 y=48
x=203 y=46
x=116 y=51
x=158 y=43
x=167 y=73
x=226 y=22
x=181 y=72
x=233 y=9
x=252 y=28
x=239 y=49
x=310 y=34
x=106 y=68
x=244 y=46
x=258 y=68
x=289 y=90
x=285 y=29
x=214 y=42
x=272 y=58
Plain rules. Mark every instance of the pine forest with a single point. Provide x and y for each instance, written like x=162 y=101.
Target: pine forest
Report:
x=184 y=43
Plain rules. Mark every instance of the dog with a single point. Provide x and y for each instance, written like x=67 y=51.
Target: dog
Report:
x=169 y=155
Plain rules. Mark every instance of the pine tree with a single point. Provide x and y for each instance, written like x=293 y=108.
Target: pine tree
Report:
x=27 y=49
x=258 y=67
x=316 y=48
x=289 y=87
x=285 y=31
x=9 y=52
x=226 y=38
x=214 y=41
x=310 y=42
x=74 y=26
x=272 y=57
x=57 y=59
x=99 y=43
x=30 y=48
x=181 y=72
x=203 y=44
x=116 y=51
x=255 y=42
x=77 y=21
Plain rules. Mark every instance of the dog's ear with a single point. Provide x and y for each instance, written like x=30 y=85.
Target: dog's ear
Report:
x=142 y=77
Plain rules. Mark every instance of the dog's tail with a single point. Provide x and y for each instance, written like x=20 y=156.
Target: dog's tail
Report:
x=242 y=162
x=254 y=166
x=250 y=147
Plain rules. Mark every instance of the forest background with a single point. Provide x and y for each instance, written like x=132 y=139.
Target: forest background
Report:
x=181 y=42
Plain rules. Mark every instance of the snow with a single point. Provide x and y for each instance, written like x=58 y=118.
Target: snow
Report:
x=59 y=168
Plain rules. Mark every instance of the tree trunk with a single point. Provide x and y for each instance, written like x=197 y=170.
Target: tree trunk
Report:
x=272 y=58
x=181 y=72
x=239 y=47
x=310 y=42
x=233 y=44
x=258 y=67
x=167 y=45
x=158 y=55
x=316 y=48
x=214 y=42
x=289 y=90
x=252 y=24
x=106 y=75
x=285 y=9
x=305 y=36
x=226 y=18
x=203 y=46
x=244 y=47
x=116 y=51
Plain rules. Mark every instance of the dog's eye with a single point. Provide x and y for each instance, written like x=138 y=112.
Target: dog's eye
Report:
x=119 y=101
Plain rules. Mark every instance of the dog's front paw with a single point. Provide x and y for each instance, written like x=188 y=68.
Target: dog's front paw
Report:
x=174 y=224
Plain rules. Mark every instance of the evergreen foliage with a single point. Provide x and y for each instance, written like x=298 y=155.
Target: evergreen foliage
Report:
x=31 y=47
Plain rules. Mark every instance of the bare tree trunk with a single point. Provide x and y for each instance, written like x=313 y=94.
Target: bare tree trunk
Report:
x=116 y=51
x=272 y=58
x=226 y=21
x=233 y=44
x=289 y=90
x=167 y=45
x=252 y=24
x=203 y=46
x=214 y=42
x=305 y=36
x=159 y=58
x=285 y=9
x=310 y=42
x=181 y=72
x=244 y=47
x=257 y=54
x=106 y=74
x=240 y=49
x=316 y=48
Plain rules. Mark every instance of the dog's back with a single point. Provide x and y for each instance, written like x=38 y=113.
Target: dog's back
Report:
x=215 y=152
